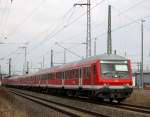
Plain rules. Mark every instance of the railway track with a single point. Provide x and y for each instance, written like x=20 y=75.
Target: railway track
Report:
x=66 y=109
x=81 y=111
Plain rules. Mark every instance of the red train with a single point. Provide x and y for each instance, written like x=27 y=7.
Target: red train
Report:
x=104 y=76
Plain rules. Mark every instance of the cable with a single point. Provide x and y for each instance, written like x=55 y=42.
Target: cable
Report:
x=27 y=18
x=135 y=5
x=55 y=30
x=123 y=26
x=9 y=54
x=50 y=36
x=126 y=10
x=6 y=19
x=3 y=15
x=114 y=29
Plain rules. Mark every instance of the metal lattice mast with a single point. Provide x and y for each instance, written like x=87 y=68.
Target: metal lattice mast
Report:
x=141 y=67
x=109 y=41
x=89 y=26
x=88 y=37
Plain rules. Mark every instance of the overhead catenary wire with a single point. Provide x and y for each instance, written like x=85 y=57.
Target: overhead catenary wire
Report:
x=115 y=29
x=28 y=42
x=50 y=36
x=78 y=18
x=26 y=18
x=7 y=17
x=8 y=55
x=123 y=26
x=3 y=14
x=56 y=29
x=128 y=9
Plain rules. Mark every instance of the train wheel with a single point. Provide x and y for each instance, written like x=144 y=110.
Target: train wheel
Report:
x=120 y=100
x=77 y=93
x=110 y=99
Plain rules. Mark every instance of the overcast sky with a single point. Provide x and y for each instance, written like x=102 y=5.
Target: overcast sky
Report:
x=42 y=23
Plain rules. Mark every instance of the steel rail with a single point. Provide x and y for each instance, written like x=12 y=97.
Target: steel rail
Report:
x=66 y=109
x=128 y=107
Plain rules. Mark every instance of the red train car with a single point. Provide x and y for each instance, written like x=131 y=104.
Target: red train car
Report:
x=104 y=76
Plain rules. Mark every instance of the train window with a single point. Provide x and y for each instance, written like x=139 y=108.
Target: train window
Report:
x=67 y=74
x=62 y=75
x=59 y=75
x=47 y=76
x=80 y=72
x=87 y=72
x=94 y=71
x=76 y=74
x=53 y=75
x=50 y=76
x=114 y=70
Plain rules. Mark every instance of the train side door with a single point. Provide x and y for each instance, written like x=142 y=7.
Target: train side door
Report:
x=80 y=77
x=93 y=74
x=63 y=78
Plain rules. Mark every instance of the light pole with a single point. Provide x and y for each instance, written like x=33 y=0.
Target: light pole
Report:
x=0 y=73
x=95 y=46
x=64 y=56
x=141 y=69
x=10 y=67
x=25 y=59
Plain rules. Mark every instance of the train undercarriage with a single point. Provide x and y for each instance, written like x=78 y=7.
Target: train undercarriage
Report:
x=102 y=94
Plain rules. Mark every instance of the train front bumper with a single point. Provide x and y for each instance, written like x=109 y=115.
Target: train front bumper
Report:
x=113 y=92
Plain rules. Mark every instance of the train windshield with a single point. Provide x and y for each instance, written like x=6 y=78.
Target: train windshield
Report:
x=114 y=70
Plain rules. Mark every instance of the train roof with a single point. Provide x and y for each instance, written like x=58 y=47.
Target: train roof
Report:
x=77 y=63
x=84 y=61
x=107 y=57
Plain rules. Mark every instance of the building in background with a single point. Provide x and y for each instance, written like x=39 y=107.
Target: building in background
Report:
x=138 y=81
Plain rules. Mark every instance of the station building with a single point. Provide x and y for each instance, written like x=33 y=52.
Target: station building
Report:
x=137 y=82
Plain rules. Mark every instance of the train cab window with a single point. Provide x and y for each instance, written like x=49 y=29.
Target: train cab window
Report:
x=114 y=70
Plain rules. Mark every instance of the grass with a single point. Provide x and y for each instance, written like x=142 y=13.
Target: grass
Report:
x=8 y=107
x=139 y=97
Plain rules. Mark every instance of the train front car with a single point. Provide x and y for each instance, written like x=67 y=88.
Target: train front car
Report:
x=115 y=77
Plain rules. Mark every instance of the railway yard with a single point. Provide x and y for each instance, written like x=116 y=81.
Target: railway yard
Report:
x=22 y=103
x=45 y=71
